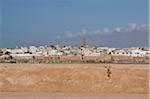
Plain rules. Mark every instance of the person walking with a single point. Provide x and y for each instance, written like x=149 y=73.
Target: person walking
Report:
x=109 y=73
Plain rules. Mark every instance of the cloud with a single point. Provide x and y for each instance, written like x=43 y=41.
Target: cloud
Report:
x=84 y=32
x=106 y=30
x=117 y=29
x=58 y=37
x=134 y=28
x=97 y=32
x=68 y=34
x=130 y=28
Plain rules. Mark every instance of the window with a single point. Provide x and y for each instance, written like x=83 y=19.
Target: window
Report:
x=130 y=52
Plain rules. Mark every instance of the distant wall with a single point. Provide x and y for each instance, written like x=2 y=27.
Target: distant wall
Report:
x=92 y=78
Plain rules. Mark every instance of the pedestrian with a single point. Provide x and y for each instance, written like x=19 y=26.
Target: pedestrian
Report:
x=108 y=70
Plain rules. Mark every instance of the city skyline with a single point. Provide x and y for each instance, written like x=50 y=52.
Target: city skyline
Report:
x=111 y=23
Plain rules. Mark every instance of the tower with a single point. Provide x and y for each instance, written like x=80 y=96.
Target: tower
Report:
x=84 y=42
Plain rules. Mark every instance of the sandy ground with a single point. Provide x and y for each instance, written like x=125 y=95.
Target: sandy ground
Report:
x=70 y=96
x=74 y=78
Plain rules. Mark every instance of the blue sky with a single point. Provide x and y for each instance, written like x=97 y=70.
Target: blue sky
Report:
x=115 y=23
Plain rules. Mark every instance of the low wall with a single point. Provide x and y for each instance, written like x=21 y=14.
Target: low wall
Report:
x=89 y=78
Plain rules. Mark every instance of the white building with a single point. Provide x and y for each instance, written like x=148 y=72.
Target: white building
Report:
x=134 y=53
x=54 y=53
x=87 y=52
x=33 y=49
x=17 y=51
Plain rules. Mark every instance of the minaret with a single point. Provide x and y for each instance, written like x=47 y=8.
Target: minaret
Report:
x=84 y=43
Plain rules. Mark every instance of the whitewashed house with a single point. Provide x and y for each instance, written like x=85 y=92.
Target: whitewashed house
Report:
x=119 y=52
x=140 y=53
x=33 y=49
x=17 y=51
x=24 y=49
x=133 y=52
x=54 y=53
x=87 y=52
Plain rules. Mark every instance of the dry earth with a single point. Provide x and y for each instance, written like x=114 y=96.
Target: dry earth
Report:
x=27 y=95
x=74 y=78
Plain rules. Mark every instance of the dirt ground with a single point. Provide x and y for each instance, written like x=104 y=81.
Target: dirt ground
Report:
x=14 y=95
x=74 y=78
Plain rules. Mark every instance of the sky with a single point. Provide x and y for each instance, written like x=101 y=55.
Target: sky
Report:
x=113 y=23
